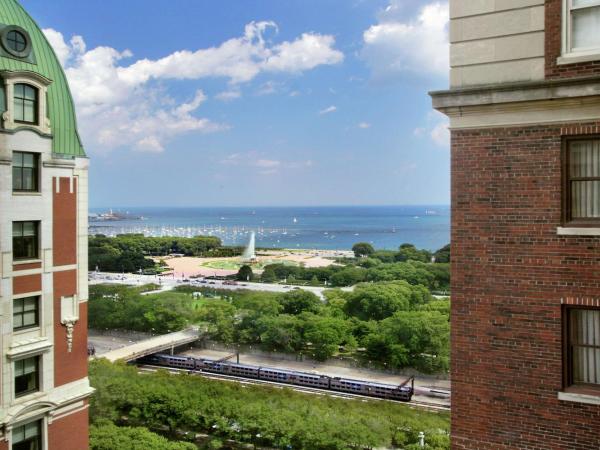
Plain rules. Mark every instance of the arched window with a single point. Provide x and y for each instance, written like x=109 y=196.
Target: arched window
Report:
x=26 y=103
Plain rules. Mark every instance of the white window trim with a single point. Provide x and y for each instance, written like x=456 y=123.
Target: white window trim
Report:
x=43 y=417
x=41 y=83
x=568 y=55
x=34 y=332
x=40 y=393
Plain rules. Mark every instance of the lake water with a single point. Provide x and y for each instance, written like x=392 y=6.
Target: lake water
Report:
x=386 y=227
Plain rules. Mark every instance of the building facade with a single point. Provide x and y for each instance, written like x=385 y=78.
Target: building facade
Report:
x=524 y=109
x=44 y=388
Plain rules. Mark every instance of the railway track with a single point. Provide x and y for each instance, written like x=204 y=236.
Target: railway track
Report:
x=431 y=406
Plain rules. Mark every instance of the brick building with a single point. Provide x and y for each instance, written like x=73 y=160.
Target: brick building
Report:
x=44 y=388
x=524 y=109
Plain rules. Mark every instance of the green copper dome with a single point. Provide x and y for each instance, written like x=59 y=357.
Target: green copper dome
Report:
x=42 y=60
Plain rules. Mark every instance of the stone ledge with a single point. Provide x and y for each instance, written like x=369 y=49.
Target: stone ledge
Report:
x=577 y=231
x=495 y=94
x=579 y=398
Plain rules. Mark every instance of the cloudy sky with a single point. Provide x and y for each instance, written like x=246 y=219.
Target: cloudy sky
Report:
x=256 y=102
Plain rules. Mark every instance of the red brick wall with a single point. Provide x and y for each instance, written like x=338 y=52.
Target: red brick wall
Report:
x=68 y=366
x=69 y=432
x=554 y=44
x=509 y=273
x=27 y=283
x=64 y=209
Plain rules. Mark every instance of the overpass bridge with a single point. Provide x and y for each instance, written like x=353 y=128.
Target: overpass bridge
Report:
x=166 y=342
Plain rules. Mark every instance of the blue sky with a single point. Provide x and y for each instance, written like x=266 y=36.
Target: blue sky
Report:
x=256 y=102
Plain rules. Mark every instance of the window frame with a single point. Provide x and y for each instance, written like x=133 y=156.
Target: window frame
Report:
x=36 y=172
x=36 y=104
x=37 y=241
x=22 y=313
x=40 y=425
x=566 y=199
x=38 y=361
x=568 y=384
x=567 y=34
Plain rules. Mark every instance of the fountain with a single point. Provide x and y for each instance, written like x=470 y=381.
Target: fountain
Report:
x=249 y=255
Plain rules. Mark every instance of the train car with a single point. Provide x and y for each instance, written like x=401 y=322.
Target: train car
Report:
x=278 y=375
x=177 y=362
x=389 y=391
x=402 y=392
x=312 y=380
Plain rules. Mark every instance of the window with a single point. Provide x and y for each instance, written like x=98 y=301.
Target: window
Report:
x=583 y=346
x=26 y=376
x=28 y=436
x=581 y=25
x=16 y=41
x=25 y=103
x=582 y=182
x=25 y=240
x=25 y=312
x=25 y=172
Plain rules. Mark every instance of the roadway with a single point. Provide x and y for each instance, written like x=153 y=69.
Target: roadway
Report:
x=169 y=283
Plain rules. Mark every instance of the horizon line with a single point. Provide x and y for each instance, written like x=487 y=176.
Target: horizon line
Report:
x=276 y=206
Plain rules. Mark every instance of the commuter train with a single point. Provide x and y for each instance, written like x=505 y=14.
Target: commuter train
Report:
x=402 y=392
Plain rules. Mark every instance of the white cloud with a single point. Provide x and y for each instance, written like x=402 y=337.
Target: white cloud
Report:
x=436 y=129
x=440 y=134
x=419 y=45
x=229 y=95
x=267 y=163
x=305 y=53
x=119 y=106
x=263 y=165
x=57 y=41
x=328 y=110
x=268 y=88
x=364 y=125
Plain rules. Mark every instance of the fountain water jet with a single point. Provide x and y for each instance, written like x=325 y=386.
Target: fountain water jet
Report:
x=249 y=254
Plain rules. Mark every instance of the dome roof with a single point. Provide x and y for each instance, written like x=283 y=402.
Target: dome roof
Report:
x=43 y=61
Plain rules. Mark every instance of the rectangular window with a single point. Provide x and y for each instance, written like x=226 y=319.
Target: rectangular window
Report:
x=28 y=436
x=25 y=313
x=583 y=347
x=27 y=376
x=581 y=23
x=582 y=196
x=26 y=103
x=25 y=240
x=25 y=172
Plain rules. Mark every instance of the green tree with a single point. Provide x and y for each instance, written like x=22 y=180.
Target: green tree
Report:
x=107 y=436
x=326 y=335
x=416 y=338
x=348 y=276
x=245 y=273
x=268 y=276
x=362 y=249
x=443 y=254
x=408 y=252
x=298 y=301
x=376 y=301
x=283 y=332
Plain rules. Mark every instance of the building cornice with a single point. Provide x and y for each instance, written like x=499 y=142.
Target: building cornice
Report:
x=516 y=92
x=514 y=104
